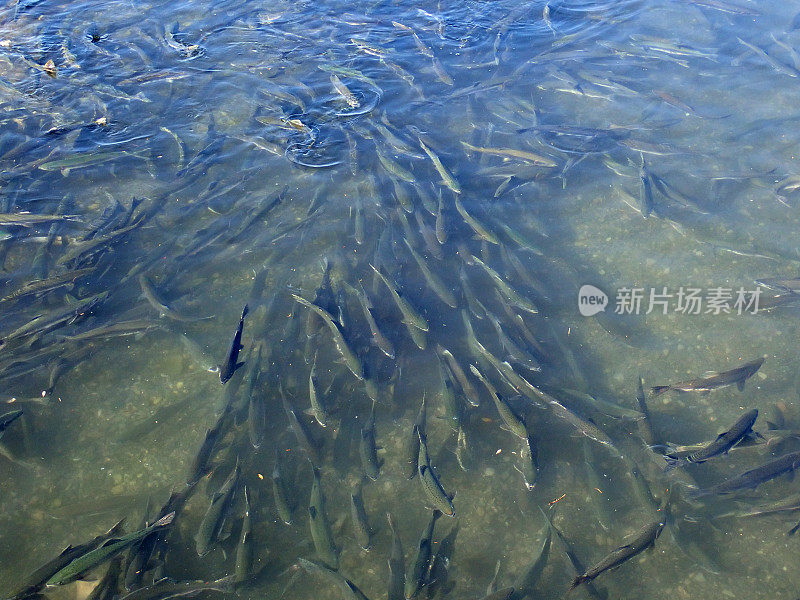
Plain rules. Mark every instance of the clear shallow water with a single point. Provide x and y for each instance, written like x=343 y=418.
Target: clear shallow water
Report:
x=212 y=123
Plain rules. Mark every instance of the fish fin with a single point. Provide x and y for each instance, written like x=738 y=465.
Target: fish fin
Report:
x=577 y=581
x=65 y=172
x=794 y=529
x=671 y=463
x=740 y=385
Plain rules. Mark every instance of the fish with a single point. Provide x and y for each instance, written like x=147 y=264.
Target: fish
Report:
x=724 y=442
x=469 y=390
x=715 y=380
x=528 y=462
x=344 y=92
x=200 y=462
x=351 y=360
x=411 y=317
x=439 y=287
x=358 y=516
x=164 y=310
x=348 y=589
x=598 y=492
x=37 y=580
x=531 y=157
x=524 y=584
x=397 y=574
x=279 y=496
x=378 y=338
x=105 y=552
x=167 y=588
x=447 y=178
x=421 y=561
x=438 y=582
x=244 y=550
x=643 y=539
x=513 y=422
x=228 y=368
x=212 y=525
x=505 y=288
x=320 y=526
x=441 y=224
x=413 y=443
x=317 y=408
x=300 y=430
x=754 y=477
x=256 y=405
x=7 y=419
x=583 y=426
x=77 y=249
x=394 y=168
x=774 y=63
x=644 y=425
x=577 y=564
x=86 y=159
x=107 y=587
x=39 y=287
x=790 y=504
x=646 y=201
x=368 y=449
x=481 y=230
x=430 y=482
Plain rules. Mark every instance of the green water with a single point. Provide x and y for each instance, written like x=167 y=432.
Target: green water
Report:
x=236 y=154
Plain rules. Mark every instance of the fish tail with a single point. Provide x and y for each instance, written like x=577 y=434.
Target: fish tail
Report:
x=794 y=529
x=671 y=463
x=577 y=581
x=659 y=389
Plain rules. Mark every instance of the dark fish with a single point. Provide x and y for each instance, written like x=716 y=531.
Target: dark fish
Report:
x=412 y=446
x=368 y=449
x=439 y=583
x=137 y=565
x=422 y=559
x=108 y=586
x=200 y=463
x=430 y=482
x=717 y=380
x=104 y=553
x=754 y=477
x=213 y=523
x=524 y=584
x=644 y=539
x=645 y=425
x=576 y=562
x=7 y=419
x=320 y=526
x=724 y=442
x=230 y=365
x=358 y=516
x=35 y=582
